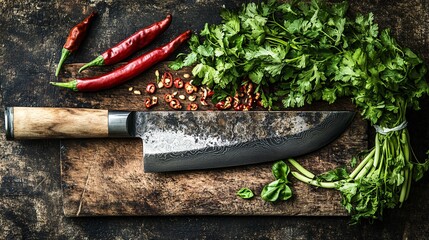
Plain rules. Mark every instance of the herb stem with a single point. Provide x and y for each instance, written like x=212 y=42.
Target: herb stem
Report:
x=362 y=164
x=404 y=186
x=313 y=182
x=410 y=179
x=301 y=169
x=377 y=149
x=277 y=40
x=371 y=172
x=278 y=24
x=365 y=169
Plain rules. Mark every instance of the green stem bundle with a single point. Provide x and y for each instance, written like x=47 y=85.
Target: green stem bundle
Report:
x=381 y=179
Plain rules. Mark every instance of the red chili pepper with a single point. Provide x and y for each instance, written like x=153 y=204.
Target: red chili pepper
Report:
x=150 y=102
x=192 y=107
x=239 y=107
x=249 y=89
x=168 y=97
x=126 y=72
x=189 y=88
x=223 y=105
x=130 y=45
x=204 y=96
x=236 y=101
x=204 y=102
x=178 y=83
x=167 y=80
x=75 y=38
x=249 y=101
x=150 y=88
x=175 y=104
x=246 y=108
x=210 y=93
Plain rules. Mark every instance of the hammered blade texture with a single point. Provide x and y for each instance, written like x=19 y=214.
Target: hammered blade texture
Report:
x=174 y=141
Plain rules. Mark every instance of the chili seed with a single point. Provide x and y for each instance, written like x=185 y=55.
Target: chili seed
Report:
x=186 y=75
x=154 y=100
x=160 y=85
x=192 y=98
x=203 y=102
x=182 y=97
x=137 y=92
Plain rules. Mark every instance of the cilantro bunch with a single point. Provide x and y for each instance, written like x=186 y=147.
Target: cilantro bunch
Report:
x=296 y=53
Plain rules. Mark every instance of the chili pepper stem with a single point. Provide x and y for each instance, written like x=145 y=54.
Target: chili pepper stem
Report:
x=98 y=61
x=64 y=55
x=70 y=85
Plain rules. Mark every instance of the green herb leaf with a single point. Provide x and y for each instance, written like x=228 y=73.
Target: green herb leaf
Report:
x=245 y=193
x=281 y=171
x=278 y=189
x=420 y=169
x=333 y=175
x=271 y=192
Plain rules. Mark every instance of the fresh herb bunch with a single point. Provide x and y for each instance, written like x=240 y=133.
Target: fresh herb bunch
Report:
x=296 y=53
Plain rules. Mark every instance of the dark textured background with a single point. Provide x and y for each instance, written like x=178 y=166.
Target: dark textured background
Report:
x=31 y=36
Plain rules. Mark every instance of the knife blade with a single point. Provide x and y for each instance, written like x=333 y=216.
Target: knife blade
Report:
x=188 y=140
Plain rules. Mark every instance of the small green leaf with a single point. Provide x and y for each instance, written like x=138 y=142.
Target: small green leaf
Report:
x=333 y=175
x=281 y=171
x=277 y=190
x=190 y=59
x=256 y=76
x=271 y=192
x=176 y=64
x=245 y=193
x=285 y=193
x=205 y=51
x=420 y=169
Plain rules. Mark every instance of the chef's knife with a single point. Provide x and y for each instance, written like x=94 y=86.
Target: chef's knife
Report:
x=186 y=140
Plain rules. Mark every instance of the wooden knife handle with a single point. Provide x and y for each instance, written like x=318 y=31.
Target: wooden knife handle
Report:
x=41 y=122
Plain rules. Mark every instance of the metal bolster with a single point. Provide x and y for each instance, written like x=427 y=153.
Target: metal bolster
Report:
x=8 y=122
x=120 y=124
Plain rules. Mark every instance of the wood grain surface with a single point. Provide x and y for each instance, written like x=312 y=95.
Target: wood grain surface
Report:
x=43 y=122
x=105 y=177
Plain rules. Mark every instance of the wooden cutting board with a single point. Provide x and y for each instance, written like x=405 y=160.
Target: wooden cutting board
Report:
x=105 y=177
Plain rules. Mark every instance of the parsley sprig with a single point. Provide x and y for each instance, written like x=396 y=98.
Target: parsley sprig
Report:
x=299 y=52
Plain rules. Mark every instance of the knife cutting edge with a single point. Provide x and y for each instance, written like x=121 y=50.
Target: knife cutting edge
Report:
x=188 y=140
